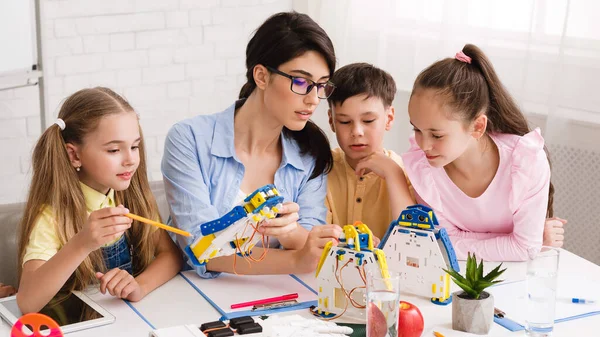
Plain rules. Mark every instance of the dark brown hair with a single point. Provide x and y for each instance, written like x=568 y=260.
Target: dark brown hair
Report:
x=362 y=79
x=283 y=37
x=55 y=184
x=473 y=89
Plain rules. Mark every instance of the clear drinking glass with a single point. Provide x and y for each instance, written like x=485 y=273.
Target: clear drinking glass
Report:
x=383 y=304
x=542 y=273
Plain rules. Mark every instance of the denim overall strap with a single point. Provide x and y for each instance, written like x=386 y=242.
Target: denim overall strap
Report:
x=118 y=255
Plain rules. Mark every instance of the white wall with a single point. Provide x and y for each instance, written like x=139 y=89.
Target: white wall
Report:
x=170 y=58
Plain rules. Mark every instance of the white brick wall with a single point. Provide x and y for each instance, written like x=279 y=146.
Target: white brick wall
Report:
x=19 y=129
x=172 y=59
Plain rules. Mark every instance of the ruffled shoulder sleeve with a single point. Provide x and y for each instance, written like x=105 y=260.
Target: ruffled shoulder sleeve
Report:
x=420 y=174
x=530 y=169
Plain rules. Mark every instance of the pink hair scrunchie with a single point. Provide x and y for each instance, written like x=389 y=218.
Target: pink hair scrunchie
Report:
x=462 y=57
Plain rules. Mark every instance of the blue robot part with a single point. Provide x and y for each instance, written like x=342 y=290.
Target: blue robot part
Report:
x=227 y=234
x=418 y=216
x=223 y=222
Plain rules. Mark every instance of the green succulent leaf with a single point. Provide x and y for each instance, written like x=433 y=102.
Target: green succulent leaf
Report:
x=456 y=276
x=474 y=283
x=471 y=268
x=470 y=291
x=481 y=285
x=480 y=270
x=495 y=273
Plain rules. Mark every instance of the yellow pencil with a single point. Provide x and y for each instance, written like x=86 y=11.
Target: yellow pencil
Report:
x=158 y=224
x=437 y=334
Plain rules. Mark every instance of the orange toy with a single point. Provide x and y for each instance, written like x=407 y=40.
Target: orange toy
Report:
x=36 y=322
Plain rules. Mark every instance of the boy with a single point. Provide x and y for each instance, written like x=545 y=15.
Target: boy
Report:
x=359 y=185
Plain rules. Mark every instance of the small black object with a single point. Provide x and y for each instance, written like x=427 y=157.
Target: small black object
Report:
x=248 y=328
x=234 y=323
x=220 y=333
x=212 y=325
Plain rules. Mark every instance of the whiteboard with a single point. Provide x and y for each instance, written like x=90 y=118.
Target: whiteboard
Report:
x=17 y=38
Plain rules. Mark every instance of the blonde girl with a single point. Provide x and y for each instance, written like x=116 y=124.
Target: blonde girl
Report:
x=89 y=170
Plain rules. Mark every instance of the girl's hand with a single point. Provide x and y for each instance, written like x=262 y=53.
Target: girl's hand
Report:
x=308 y=257
x=103 y=226
x=554 y=232
x=121 y=284
x=378 y=163
x=284 y=224
x=6 y=290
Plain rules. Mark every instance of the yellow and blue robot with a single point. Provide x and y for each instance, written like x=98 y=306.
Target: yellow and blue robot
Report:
x=234 y=232
x=418 y=248
x=342 y=270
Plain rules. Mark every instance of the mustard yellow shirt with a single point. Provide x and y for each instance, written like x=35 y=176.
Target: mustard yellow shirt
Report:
x=43 y=240
x=351 y=198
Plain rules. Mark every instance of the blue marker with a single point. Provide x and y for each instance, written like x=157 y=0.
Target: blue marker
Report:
x=581 y=301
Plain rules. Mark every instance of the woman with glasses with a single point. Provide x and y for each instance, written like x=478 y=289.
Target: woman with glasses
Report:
x=211 y=162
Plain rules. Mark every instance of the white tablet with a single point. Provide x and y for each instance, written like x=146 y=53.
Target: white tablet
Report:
x=72 y=311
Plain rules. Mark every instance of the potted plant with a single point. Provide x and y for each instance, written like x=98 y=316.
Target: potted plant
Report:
x=473 y=308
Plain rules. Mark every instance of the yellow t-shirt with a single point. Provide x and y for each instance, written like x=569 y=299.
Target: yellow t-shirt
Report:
x=351 y=198
x=43 y=240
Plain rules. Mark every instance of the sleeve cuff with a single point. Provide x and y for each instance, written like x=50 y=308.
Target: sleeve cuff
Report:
x=202 y=272
x=38 y=256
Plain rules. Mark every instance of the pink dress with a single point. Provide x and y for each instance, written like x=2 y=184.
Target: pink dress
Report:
x=505 y=223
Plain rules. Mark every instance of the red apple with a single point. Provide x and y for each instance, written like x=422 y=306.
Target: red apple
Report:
x=410 y=320
x=377 y=326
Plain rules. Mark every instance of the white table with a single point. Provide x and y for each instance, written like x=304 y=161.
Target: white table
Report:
x=177 y=303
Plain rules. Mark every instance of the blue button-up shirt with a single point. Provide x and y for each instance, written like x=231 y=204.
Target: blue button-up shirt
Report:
x=202 y=176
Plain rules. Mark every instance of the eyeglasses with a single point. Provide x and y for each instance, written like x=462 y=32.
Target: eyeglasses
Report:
x=303 y=86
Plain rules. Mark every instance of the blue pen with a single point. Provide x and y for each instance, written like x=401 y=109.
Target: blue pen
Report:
x=581 y=301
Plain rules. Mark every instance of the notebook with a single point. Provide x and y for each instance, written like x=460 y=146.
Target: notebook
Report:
x=229 y=289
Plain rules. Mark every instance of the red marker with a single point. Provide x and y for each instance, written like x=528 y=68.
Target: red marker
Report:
x=265 y=301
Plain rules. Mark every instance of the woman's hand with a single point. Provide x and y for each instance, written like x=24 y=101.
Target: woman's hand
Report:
x=284 y=224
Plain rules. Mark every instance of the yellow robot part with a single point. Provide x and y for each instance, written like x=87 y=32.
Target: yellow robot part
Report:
x=202 y=245
x=239 y=242
x=323 y=256
x=382 y=263
x=249 y=208
x=446 y=287
x=363 y=228
x=258 y=199
x=351 y=233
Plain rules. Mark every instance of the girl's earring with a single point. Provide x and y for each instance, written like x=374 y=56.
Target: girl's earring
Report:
x=78 y=168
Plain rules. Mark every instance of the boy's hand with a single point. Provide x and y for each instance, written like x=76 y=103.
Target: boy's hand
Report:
x=103 y=226
x=376 y=241
x=378 y=163
x=308 y=257
x=554 y=232
x=121 y=284
x=284 y=224
x=6 y=290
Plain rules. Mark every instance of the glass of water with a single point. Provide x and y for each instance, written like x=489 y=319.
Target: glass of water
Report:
x=383 y=304
x=541 y=292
